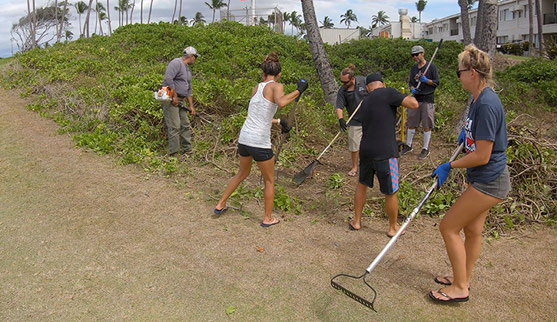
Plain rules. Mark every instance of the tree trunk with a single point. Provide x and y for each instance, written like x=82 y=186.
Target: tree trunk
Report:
x=108 y=17
x=141 y=13
x=485 y=38
x=465 y=22
x=320 y=60
x=33 y=23
x=180 y=14
x=86 y=24
x=131 y=13
x=530 y=28
x=97 y=17
x=174 y=13
x=63 y=22
x=57 y=20
x=540 y=26
x=479 y=22
x=150 y=9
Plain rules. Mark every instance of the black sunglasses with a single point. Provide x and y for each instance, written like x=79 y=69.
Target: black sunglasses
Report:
x=414 y=55
x=458 y=71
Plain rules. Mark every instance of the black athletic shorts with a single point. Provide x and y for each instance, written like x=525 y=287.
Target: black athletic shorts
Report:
x=258 y=154
x=386 y=172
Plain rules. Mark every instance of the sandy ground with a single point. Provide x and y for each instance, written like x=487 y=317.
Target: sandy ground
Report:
x=82 y=238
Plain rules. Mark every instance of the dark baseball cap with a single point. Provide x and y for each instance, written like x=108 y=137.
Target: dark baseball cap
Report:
x=375 y=77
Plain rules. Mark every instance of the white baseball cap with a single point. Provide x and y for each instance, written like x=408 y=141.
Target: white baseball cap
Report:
x=191 y=51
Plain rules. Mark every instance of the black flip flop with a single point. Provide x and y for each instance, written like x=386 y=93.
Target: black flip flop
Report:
x=220 y=211
x=350 y=227
x=450 y=299
x=269 y=225
x=438 y=281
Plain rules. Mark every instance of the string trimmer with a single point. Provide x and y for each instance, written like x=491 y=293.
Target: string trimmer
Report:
x=369 y=303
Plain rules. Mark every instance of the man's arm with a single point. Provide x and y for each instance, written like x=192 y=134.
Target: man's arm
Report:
x=410 y=102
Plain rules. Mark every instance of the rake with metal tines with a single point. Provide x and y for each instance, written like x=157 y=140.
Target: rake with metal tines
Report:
x=369 y=303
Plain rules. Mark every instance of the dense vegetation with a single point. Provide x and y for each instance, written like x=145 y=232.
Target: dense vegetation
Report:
x=100 y=90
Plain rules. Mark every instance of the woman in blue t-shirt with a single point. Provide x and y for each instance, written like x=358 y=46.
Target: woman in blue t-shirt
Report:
x=485 y=142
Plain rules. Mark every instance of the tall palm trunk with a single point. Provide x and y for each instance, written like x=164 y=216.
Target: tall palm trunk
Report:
x=540 y=26
x=56 y=17
x=131 y=13
x=86 y=24
x=531 y=28
x=150 y=9
x=318 y=53
x=141 y=13
x=465 y=22
x=62 y=21
x=97 y=17
x=108 y=17
x=180 y=14
x=174 y=13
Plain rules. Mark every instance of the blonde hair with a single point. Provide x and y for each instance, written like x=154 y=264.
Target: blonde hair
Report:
x=476 y=59
x=348 y=70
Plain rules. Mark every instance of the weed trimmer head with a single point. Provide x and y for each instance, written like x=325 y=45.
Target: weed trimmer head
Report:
x=352 y=295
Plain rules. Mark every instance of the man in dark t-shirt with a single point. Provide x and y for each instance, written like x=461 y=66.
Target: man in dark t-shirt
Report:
x=379 y=148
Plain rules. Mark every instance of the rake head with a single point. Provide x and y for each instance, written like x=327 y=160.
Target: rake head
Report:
x=352 y=295
x=302 y=175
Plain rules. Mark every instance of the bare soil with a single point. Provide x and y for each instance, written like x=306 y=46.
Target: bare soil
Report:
x=82 y=238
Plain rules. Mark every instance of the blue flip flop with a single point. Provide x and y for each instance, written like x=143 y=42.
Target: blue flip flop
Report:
x=269 y=225
x=220 y=211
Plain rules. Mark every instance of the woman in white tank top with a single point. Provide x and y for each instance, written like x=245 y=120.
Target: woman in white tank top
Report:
x=254 y=142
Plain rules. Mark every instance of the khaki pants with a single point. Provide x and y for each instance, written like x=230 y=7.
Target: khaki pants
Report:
x=178 y=127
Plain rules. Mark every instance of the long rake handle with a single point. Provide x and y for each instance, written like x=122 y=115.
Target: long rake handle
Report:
x=290 y=118
x=336 y=136
x=429 y=64
x=409 y=219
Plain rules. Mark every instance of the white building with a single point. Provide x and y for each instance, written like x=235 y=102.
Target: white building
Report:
x=333 y=36
x=403 y=28
x=512 y=19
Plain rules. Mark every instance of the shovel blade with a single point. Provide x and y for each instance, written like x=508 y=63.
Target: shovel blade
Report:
x=302 y=175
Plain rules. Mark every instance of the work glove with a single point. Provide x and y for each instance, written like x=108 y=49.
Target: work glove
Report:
x=461 y=137
x=284 y=126
x=423 y=79
x=342 y=124
x=413 y=90
x=442 y=172
x=302 y=85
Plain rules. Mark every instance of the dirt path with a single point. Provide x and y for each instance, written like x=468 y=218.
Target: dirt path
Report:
x=83 y=238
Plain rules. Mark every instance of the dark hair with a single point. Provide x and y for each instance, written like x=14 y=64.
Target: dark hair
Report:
x=271 y=65
x=348 y=70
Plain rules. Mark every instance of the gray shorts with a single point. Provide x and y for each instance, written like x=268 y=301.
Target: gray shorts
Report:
x=498 y=188
x=354 y=137
x=425 y=113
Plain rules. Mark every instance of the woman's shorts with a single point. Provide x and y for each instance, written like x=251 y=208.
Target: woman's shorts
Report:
x=258 y=154
x=386 y=172
x=354 y=137
x=498 y=188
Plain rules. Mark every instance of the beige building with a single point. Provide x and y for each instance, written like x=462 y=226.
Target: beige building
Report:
x=512 y=24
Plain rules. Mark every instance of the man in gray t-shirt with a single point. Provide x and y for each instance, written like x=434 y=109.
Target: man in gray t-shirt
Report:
x=178 y=78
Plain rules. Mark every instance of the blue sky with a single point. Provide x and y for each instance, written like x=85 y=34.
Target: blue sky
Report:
x=12 y=10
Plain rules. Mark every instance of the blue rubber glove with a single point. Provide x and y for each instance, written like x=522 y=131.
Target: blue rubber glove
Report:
x=413 y=91
x=461 y=137
x=442 y=172
x=423 y=79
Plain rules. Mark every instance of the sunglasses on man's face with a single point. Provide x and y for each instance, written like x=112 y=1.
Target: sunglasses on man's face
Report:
x=414 y=55
x=458 y=71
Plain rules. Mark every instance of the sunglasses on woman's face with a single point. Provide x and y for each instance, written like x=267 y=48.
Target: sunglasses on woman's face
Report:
x=458 y=71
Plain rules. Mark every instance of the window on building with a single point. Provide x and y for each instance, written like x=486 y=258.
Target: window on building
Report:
x=505 y=15
x=430 y=31
x=473 y=21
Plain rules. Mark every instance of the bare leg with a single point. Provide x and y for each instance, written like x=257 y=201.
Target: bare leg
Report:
x=470 y=211
x=268 y=171
x=354 y=155
x=243 y=172
x=359 y=201
x=391 y=208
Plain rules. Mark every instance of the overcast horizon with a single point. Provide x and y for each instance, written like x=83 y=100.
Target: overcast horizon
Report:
x=13 y=10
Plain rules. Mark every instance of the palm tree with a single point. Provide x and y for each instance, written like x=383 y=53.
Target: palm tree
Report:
x=295 y=20
x=420 y=6
x=465 y=22
x=198 y=19
x=214 y=5
x=327 y=23
x=183 y=21
x=80 y=7
x=174 y=13
x=348 y=18
x=180 y=14
x=318 y=53
x=100 y=9
x=379 y=19
x=150 y=10
x=285 y=18
x=141 y=13
x=108 y=17
x=132 y=6
x=414 y=19
x=86 y=24
x=102 y=16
